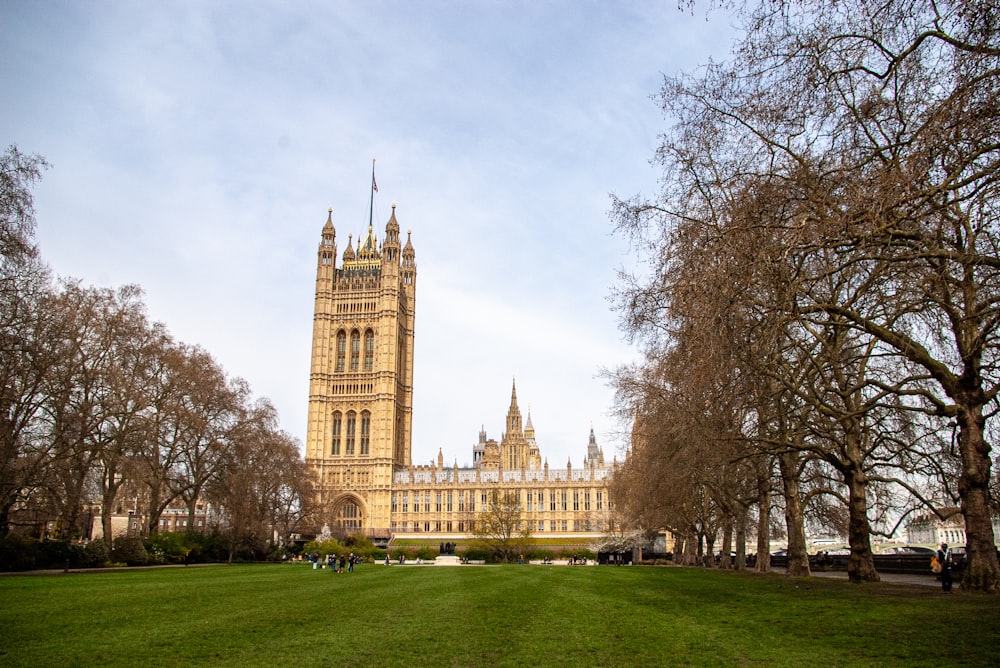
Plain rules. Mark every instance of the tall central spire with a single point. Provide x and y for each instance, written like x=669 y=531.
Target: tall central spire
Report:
x=513 y=413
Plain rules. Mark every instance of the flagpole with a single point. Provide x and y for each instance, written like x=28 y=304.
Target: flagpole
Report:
x=371 y=202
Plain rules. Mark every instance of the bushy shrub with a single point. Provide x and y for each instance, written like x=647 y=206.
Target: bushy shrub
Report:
x=95 y=554
x=17 y=553
x=207 y=547
x=129 y=550
x=21 y=553
x=168 y=548
x=476 y=554
x=427 y=553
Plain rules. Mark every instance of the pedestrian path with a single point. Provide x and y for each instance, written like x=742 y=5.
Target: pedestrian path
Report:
x=890 y=578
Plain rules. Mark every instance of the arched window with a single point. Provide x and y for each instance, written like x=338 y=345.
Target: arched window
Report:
x=349 y=440
x=355 y=350
x=349 y=516
x=366 y=419
x=335 y=447
x=341 y=350
x=369 y=350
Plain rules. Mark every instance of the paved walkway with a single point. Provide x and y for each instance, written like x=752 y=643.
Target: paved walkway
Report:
x=891 y=578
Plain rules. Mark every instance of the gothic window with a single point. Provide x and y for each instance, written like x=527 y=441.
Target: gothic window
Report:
x=552 y=501
x=349 y=516
x=427 y=502
x=600 y=505
x=341 y=350
x=369 y=350
x=366 y=420
x=449 y=506
x=355 y=350
x=405 y=502
x=541 y=501
x=586 y=500
x=437 y=502
x=576 y=500
x=335 y=447
x=395 y=503
x=563 y=500
x=349 y=440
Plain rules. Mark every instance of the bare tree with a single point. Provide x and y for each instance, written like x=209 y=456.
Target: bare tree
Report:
x=873 y=126
x=501 y=526
x=26 y=335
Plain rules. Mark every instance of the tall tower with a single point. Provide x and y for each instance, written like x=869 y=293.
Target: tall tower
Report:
x=361 y=376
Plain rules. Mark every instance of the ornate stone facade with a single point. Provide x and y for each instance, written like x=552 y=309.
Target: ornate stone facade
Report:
x=360 y=415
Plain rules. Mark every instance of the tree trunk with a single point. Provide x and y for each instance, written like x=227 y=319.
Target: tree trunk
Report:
x=762 y=563
x=725 y=560
x=983 y=569
x=741 y=536
x=798 y=558
x=861 y=564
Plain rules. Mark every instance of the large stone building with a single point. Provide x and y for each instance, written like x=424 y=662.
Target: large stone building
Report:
x=360 y=417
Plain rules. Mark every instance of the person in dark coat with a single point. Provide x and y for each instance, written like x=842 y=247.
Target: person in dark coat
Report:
x=944 y=558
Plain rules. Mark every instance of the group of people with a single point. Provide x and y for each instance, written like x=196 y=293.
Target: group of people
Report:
x=336 y=563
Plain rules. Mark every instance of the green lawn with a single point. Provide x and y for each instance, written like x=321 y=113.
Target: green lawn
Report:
x=291 y=615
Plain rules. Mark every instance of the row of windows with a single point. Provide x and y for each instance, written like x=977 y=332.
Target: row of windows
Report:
x=355 y=350
x=446 y=526
x=352 y=388
x=356 y=307
x=535 y=501
x=346 y=433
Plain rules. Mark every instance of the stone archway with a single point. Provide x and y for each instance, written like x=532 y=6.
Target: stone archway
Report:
x=348 y=515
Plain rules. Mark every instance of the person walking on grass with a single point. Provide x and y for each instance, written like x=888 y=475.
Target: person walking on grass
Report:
x=944 y=558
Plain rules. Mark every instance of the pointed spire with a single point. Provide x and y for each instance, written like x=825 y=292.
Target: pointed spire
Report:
x=349 y=251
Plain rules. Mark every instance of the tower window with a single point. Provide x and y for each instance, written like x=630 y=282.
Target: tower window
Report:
x=335 y=447
x=355 y=350
x=349 y=441
x=341 y=350
x=369 y=350
x=365 y=430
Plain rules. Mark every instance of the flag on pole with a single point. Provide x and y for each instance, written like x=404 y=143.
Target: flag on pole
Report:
x=374 y=185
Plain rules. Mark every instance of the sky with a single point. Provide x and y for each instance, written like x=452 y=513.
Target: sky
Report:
x=197 y=145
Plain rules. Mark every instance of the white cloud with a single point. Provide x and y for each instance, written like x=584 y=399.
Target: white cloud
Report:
x=196 y=148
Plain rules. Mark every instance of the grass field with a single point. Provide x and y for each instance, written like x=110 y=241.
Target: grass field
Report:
x=291 y=615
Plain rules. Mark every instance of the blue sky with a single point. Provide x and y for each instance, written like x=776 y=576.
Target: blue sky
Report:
x=196 y=147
